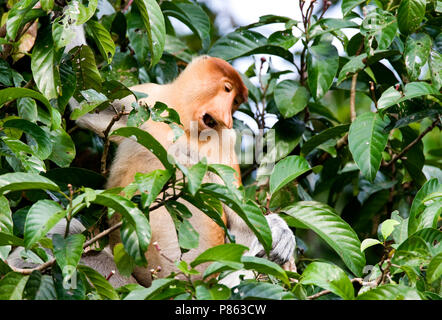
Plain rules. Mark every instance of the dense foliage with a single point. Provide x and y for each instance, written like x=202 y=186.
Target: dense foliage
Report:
x=358 y=148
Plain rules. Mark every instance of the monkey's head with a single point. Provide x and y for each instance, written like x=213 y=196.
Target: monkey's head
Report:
x=214 y=90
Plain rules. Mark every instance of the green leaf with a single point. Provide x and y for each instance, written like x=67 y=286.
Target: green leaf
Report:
x=67 y=252
x=417 y=52
x=430 y=216
x=5 y=216
x=188 y=237
x=367 y=243
x=324 y=221
x=355 y=64
x=42 y=145
x=157 y=285
x=244 y=43
x=12 y=286
x=284 y=39
x=249 y=212
x=367 y=141
x=434 y=269
x=62 y=32
x=391 y=292
x=135 y=232
x=329 y=277
x=261 y=290
x=322 y=137
x=215 y=292
x=153 y=22
x=9 y=94
x=41 y=217
x=85 y=69
x=379 y=26
x=418 y=205
x=148 y=141
x=123 y=260
x=348 y=5
x=193 y=16
x=44 y=63
x=25 y=181
x=322 y=65
x=387 y=227
x=230 y=177
x=410 y=15
x=290 y=98
x=7 y=239
x=195 y=175
x=27 y=109
x=40 y=287
x=229 y=253
x=287 y=170
x=93 y=99
x=102 y=39
x=265 y=266
x=150 y=185
x=80 y=13
x=63 y=148
x=102 y=286
x=20 y=14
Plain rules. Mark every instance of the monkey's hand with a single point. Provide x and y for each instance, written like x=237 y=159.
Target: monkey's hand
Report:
x=283 y=244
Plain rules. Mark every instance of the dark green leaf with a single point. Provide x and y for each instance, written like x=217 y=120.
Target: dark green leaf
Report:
x=290 y=98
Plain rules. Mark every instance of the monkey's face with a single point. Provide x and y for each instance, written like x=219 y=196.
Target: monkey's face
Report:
x=221 y=93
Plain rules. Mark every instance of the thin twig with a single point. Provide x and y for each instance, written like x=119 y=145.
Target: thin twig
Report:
x=324 y=292
x=412 y=144
x=115 y=118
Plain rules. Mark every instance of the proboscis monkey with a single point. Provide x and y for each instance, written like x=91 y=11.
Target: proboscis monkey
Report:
x=205 y=96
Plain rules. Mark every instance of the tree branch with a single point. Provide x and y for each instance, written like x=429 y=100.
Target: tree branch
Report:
x=412 y=144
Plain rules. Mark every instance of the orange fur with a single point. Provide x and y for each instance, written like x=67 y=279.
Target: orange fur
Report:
x=208 y=86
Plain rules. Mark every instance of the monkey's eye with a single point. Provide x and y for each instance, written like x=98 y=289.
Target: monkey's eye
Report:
x=228 y=87
x=209 y=121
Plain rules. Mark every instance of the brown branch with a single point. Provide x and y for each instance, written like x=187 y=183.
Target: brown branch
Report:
x=115 y=118
x=411 y=145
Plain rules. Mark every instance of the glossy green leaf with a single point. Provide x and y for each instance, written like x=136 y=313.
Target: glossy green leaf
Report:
x=410 y=15
x=417 y=52
x=135 y=232
x=41 y=217
x=265 y=266
x=44 y=63
x=261 y=291
x=102 y=39
x=284 y=39
x=153 y=22
x=67 y=252
x=348 y=5
x=287 y=170
x=245 y=42
x=63 y=148
x=324 y=221
x=192 y=15
x=40 y=287
x=194 y=175
x=7 y=239
x=102 y=286
x=434 y=270
x=379 y=26
x=391 y=292
x=322 y=137
x=150 y=185
x=25 y=181
x=367 y=243
x=85 y=69
x=322 y=65
x=418 y=204
x=215 y=292
x=367 y=141
x=123 y=260
x=230 y=178
x=387 y=227
x=148 y=141
x=41 y=145
x=18 y=16
x=290 y=98
x=12 y=286
x=329 y=277
x=142 y=293
x=229 y=253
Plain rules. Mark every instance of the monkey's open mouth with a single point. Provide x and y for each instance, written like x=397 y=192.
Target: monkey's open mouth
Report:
x=209 y=121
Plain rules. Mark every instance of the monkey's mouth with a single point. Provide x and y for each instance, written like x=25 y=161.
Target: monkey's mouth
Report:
x=209 y=121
